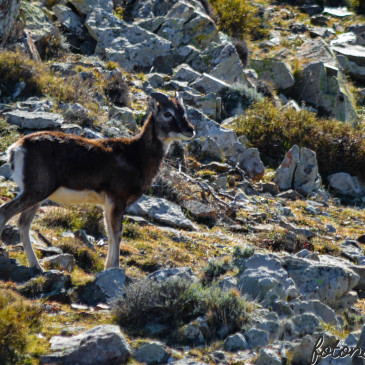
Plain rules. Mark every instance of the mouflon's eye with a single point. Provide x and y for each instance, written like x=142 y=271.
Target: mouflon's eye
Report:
x=167 y=115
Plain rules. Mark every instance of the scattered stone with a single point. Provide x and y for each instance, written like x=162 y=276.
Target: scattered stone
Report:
x=5 y=171
x=183 y=273
x=87 y=6
x=256 y=338
x=352 y=250
x=193 y=334
x=64 y=261
x=151 y=353
x=303 y=352
x=34 y=120
x=111 y=283
x=160 y=210
x=10 y=235
x=306 y=323
x=338 y=12
x=210 y=150
x=11 y=270
x=185 y=73
x=316 y=307
x=270 y=187
x=235 y=342
x=202 y=212
x=268 y=357
x=100 y=345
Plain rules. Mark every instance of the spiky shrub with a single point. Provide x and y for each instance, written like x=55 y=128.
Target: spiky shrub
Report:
x=239 y=97
x=242 y=50
x=19 y=319
x=339 y=146
x=176 y=302
x=117 y=90
x=214 y=269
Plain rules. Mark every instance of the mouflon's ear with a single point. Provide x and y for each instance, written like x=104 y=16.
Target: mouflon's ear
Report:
x=161 y=98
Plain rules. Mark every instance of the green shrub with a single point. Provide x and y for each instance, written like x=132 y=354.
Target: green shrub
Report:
x=18 y=320
x=85 y=258
x=339 y=146
x=177 y=302
x=239 y=18
x=214 y=269
x=8 y=135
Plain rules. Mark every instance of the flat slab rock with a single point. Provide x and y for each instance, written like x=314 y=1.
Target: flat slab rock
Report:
x=34 y=120
x=98 y=346
x=160 y=210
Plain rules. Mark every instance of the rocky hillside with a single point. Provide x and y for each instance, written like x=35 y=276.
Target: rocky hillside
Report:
x=249 y=246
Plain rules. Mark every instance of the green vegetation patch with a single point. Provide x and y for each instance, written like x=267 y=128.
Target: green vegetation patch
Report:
x=340 y=147
x=174 y=303
x=19 y=320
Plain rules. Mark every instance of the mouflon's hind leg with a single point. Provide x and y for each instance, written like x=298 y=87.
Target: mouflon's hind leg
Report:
x=24 y=223
x=20 y=203
x=113 y=219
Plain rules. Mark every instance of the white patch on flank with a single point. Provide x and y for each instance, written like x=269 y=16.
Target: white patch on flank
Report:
x=18 y=171
x=65 y=195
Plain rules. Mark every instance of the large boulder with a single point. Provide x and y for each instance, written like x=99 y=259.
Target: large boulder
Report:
x=87 y=6
x=9 y=11
x=299 y=170
x=100 y=345
x=328 y=282
x=322 y=83
x=130 y=45
x=184 y=24
x=276 y=72
x=284 y=174
x=346 y=184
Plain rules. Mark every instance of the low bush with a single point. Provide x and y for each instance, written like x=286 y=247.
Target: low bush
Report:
x=215 y=269
x=177 y=302
x=19 y=319
x=339 y=146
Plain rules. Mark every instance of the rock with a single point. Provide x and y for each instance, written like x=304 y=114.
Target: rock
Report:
x=10 y=269
x=351 y=57
x=284 y=174
x=34 y=120
x=193 y=334
x=319 y=20
x=306 y=177
x=256 y=338
x=269 y=323
x=87 y=6
x=263 y=274
x=228 y=283
x=235 y=342
x=268 y=357
x=352 y=250
x=8 y=15
x=187 y=362
x=276 y=72
x=324 y=281
x=185 y=73
x=317 y=308
x=100 y=345
x=71 y=129
x=338 y=12
x=70 y=21
x=182 y=273
x=270 y=187
x=64 y=261
x=202 y=212
x=207 y=83
x=75 y=112
x=225 y=138
x=161 y=211
x=306 y=323
x=111 y=283
x=321 y=32
x=345 y=184
x=250 y=161
x=289 y=194
x=124 y=115
x=311 y=9
x=210 y=150
x=128 y=44
x=5 y=171
x=185 y=25
x=151 y=353
x=303 y=352
x=37 y=22
x=322 y=83
x=10 y=234
x=54 y=286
